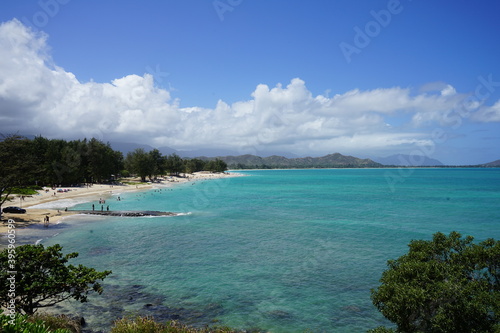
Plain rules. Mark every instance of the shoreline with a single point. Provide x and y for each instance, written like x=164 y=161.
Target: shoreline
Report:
x=45 y=203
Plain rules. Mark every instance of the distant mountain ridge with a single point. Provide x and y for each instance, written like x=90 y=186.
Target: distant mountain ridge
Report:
x=336 y=160
x=408 y=160
x=492 y=164
x=126 y=147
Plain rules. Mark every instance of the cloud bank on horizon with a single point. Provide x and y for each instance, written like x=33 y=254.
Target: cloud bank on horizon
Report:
x=39 y=97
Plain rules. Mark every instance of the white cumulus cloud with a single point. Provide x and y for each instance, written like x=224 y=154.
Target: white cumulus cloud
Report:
x=39 y=97
x=488 y=113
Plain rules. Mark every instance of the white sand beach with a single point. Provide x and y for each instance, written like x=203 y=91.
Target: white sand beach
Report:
x=52 y=201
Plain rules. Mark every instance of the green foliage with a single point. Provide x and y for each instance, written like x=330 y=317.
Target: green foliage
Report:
x=125 y=173
x=54 y=322
x=148 y=325
x=51 y=162
x=158 y=163
x=43 y=279
x=140 y=163
x=102 y=160
x=18 y=168
x=194 y=165
x=24 y=324
x=139 y=324
x=153 y=164
x=216 y=165
x=29 y=190
x=381 y=329
x=174 y=164
x=448 y=284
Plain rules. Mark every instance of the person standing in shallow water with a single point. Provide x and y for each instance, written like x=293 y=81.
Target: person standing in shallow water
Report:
x=93 y=207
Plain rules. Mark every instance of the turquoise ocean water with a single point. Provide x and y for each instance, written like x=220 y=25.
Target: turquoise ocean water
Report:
x=278 y=250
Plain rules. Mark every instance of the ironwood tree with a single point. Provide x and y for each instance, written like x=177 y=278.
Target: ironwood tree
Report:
x=18 y=167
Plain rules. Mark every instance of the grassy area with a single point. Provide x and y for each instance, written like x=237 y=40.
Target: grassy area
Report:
x=61 y=322
x=24 y=324
x=32 y=190
x=148 y=325
x=22 y=191
x=45 y=323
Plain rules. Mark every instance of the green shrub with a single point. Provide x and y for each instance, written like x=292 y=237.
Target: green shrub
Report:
x=447 y=284
x=148 y=325
x=55 y=322
x=125 y=173
x=44 y=277
x=382 y=329
x=139 y=324
x=23 y=324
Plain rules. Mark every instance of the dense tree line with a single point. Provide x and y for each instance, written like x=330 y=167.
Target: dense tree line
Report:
x=152 y=164
x=42 y=161
x=51 y=162
x=18 y=166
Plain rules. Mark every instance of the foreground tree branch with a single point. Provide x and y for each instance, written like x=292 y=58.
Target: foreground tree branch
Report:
x=43 y=279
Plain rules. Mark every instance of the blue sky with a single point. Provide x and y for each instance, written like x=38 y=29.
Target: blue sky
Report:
x=365 y=78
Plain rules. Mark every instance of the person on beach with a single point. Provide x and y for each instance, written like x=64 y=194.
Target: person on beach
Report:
x=93 y=207
x=46 y=221
x=107 y=208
